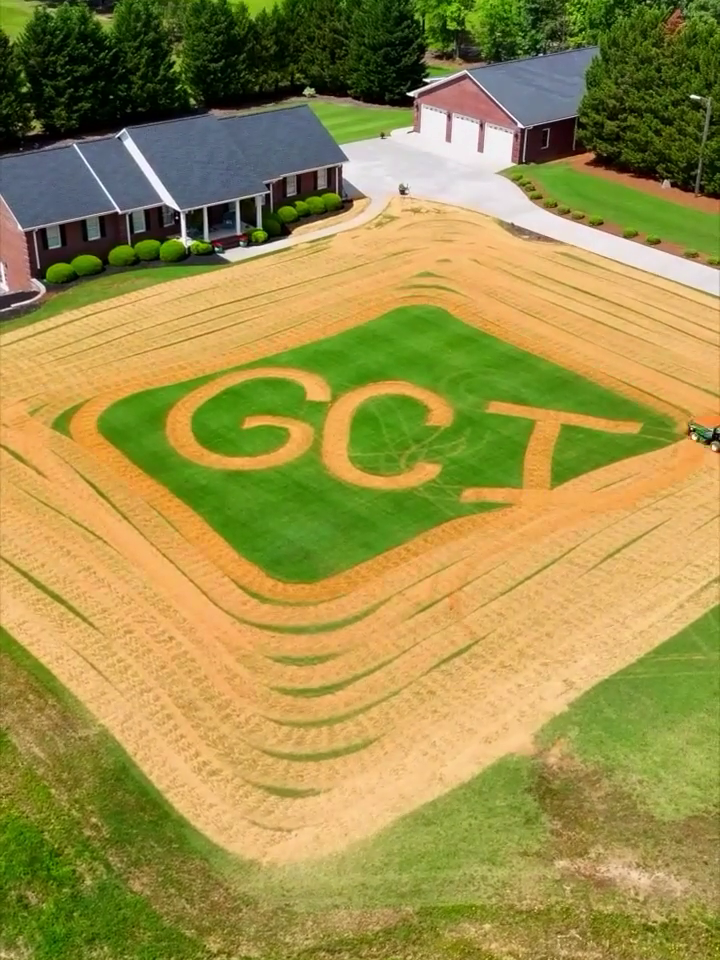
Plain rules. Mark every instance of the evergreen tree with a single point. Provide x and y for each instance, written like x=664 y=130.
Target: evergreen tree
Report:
x=387 y=47
x=500 y=29
x=271 y=69
x=148 y=85
x=15 y=112
x=68 y=63
x=217 y=52
x=291 y=14
x=322 y=63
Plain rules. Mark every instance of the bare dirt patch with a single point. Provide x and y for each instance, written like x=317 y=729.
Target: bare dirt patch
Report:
x=458 y=645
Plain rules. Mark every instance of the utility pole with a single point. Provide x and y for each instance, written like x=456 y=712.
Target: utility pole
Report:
x=706 y=130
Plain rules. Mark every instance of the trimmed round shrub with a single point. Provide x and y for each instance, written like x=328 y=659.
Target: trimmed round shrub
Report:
x=596 y=221
x=577 y=215
x=714 y=261
x=258 y=236
x=122 y=256
x=272 y=227
x=302 y=208
x=173 y=250
x=332 y=201
x=199 y=248
x=287 y=214
x=147 y=249
x=550 y=203
x=652 y=240
x=563 y=209
x=691 y=254
x=60 y=273
x=316 y=204
x=528 y=186
x=517 y=175
x=630 y=233
x=87 y=265
x=535 y=195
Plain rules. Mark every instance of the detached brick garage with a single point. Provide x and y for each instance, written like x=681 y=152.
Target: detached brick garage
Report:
x=522 y=111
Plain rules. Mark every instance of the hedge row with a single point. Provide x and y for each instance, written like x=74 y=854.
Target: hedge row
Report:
x=630 y=234
x=86 y=265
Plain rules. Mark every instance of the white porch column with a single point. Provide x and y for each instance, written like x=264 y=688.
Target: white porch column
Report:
x=128 y=229
x=238 y=219
x=258 y=211
x=183 y=227
x=206 y=226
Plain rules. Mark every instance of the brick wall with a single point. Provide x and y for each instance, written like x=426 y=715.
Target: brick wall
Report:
x=307 y=184
x=13 y=252
x=465 y=97
x=560 y=144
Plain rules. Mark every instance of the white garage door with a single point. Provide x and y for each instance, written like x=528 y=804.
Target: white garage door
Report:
x=498 y=144
x=465 y=135
x=433 y=123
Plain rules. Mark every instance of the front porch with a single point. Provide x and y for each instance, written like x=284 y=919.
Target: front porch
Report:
x=219 y=220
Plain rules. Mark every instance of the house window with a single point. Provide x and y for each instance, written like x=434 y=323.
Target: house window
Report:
x=92 y=228
x=168 y=216
x=291 y=186
x=545 y=138
x=137 y=220
x=53 y=237
x=322 y=178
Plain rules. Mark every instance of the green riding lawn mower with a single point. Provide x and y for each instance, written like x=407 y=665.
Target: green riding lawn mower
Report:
x=709 y=436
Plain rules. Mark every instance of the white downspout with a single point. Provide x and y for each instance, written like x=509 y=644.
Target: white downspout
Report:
x=525 y=136
x=183 y=227
x=206 y=225
x=238 y=220
x=37 y=251
x=128 y=230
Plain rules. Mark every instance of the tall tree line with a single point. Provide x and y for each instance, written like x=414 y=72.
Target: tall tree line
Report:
x=69 y=74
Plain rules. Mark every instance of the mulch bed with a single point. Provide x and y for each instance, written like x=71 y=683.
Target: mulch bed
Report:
x=13 y=301
x=587 y=163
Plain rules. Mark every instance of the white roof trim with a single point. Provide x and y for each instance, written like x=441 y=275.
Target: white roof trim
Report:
x=102 y=187
x=297 y=173
x=438 y=81
x=219 y=203
x=466 y=73
x=61 y=223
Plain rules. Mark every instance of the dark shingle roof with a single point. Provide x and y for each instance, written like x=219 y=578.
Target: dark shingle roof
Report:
x=50 y=186
x=539 y=89
x=195 y=161
x=120 y=175
x=278 y=142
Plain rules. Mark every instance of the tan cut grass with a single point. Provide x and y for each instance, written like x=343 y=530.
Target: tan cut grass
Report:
x=446 y=652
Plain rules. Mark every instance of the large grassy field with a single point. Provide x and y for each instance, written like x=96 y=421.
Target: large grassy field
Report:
x=348 y=122
x=307 y=524
x=602 y=844
x=14 y=14
x=627 y=207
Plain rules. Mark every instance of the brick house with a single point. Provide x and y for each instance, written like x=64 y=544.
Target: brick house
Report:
x=193 y=177
x=521 y=111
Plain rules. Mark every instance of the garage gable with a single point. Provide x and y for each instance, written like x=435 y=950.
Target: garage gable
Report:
x=462 y=95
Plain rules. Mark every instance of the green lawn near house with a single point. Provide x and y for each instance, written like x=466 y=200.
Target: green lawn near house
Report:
x=14 y=14
x=627 y=207
x=434 y=72
x=348 y=122
x=104 y=287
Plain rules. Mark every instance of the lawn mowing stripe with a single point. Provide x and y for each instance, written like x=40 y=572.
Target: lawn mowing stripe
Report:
x=330 y=688
x=311 y=628
x=288 y=793
x=625 y=546
x=311 y=660
x=334 y=754
x=49 y=592
x=20 y=459
x=61 y=423
x=70 y=519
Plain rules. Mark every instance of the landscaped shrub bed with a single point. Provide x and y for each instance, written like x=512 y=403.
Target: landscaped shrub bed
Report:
x=287 y=214
x=87 y=265
x=173 y=251
x=258 y=236
x=60 y=273
x=122 y=256
x=199 y=248
x=148 y=249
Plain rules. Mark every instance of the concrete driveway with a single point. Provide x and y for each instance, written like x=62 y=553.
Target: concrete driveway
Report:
x=376 y=167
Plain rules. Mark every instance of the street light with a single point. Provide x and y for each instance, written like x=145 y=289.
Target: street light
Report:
x=706 y=130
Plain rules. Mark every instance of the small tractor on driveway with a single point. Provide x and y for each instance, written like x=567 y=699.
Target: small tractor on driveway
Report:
x=709 y=436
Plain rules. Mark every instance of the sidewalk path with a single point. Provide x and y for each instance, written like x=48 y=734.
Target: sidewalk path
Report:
x=376 y=167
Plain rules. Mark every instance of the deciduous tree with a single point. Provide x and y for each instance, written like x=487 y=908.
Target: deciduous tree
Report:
x=148 y=83
x=15 y=112
x=445 y=22
x=500 y=28
x=387 y=47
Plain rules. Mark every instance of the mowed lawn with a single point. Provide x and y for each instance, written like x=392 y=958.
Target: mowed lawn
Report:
x=95 y=863
x=627 y=207
x=306 y=524
x=348 y=122
x=105 y=287
x=14 y=14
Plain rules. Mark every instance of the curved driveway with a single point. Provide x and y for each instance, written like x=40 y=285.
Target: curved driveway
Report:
x=376 y=167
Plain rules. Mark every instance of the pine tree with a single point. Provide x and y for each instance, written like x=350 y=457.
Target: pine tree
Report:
x=322 y=63
x=68 y=63
x=149 y=86
x=217 y=58
x=270 y=66
x=15 y=112
x=387 y=46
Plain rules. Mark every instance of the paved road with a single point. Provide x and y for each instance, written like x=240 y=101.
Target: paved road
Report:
x=376 y=168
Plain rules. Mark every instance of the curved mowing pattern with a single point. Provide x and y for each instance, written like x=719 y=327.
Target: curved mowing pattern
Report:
x=289 y=719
